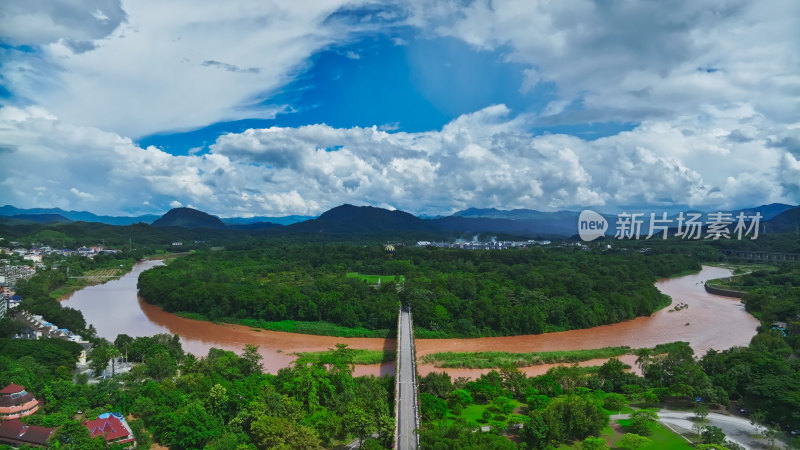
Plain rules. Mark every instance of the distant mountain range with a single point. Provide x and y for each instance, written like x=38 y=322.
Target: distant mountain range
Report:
x=767 y=212
x=84 y=216
x=285 y=220
x=18 y=219
x=514 y=214
x=528 y=221
x=787 y=221
x=354 y=220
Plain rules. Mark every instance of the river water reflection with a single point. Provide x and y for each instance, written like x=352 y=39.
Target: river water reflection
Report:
x=710 y=321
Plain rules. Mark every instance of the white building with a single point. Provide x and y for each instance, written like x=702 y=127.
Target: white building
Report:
x=35 y=257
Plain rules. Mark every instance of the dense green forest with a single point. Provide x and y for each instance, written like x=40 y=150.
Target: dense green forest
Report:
x=766 y=375
x=224 y=401
x=220 y=401
x=569 y=405
x=452 y=292
x=773 y=296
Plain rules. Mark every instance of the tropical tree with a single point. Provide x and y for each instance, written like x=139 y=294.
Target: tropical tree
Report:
x=98 y=357
x=713 y=435
x=634 y=441
x=360 y=422
x=701 y=411
x=594 y=443
x=574 y=417
x=503 y=404
x=268 y=432
x=72 y=435
x=431 y=407
x=252 y=360
x=534 y=433
x=113 y=354
x=644 y=422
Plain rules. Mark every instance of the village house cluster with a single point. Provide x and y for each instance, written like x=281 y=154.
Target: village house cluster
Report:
x=478 y=245
x=9 y=277
x=36 y=252
x=16 y=402
x=38 y=328
x=11 y=274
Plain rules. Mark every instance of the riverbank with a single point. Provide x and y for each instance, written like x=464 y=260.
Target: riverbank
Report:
x=714 y=322
x=322 y=328
x=103 y=275
x=488 y=360
x=296 y=326
x=733 y=286
x=93 y=277
x=719 y=323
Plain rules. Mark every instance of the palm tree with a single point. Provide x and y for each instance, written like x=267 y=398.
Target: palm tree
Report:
x=114 y=353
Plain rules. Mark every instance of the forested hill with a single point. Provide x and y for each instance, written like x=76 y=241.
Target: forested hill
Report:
x=349 y=219
x=188 y=218
x=787 y=221
x=454 y=293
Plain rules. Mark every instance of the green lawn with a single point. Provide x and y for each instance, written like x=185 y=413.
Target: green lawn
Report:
x=373 y=279
x=360 y=356
x=606 y=433
x=662 y=437
x=473 y=414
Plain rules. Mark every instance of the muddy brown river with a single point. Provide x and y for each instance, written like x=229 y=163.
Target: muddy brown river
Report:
x=710 y=321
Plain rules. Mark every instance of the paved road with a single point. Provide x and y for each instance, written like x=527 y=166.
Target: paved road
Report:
x=736 y=429
x=407 y=398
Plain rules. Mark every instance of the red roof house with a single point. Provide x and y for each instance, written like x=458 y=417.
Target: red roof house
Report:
x=111 y=428
x=13 y=432
x=15 y=402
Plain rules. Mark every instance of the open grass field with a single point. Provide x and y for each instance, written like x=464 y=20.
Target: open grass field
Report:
x=360 y=356
x=473 y=414
x=104 y=273
x=373 y=279
x=662 y=437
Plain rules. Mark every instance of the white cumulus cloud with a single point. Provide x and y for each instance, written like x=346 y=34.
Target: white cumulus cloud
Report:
x=484 y=159
x=157 y=66
x=636 y=59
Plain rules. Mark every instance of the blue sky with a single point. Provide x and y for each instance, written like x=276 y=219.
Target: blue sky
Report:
x=242 y=108
x=399 y=83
